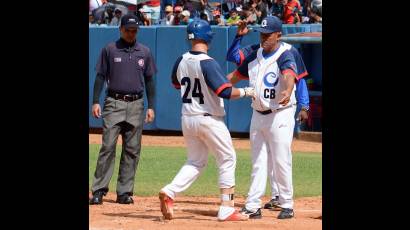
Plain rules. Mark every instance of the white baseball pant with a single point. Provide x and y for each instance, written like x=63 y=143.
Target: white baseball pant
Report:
x=203 y=133
x=272 y=135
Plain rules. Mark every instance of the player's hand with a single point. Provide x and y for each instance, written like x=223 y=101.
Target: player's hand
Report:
x=149 y=117
x=285 y=97
x=250 y=92
x=96 y=110
x=303 y=116
x=242 y=28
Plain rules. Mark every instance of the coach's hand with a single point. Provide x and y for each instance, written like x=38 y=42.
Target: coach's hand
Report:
x=149 y=117
x=242 y=28
x=96 y=110
x=285 y=97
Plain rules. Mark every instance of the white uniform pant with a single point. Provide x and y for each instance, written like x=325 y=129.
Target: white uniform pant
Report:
x=271 y=138
x=201 y=134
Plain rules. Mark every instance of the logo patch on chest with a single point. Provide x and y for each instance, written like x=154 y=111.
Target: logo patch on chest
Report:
x=270 y=79
x=141 y=62
x=117 y=59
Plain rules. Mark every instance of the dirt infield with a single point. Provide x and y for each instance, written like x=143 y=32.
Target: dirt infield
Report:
x=239 y=143
x=193 y=213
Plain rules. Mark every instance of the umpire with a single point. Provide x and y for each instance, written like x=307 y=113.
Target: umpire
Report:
x=124 y=65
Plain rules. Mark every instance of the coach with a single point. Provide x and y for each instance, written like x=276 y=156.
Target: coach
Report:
x=124 y=65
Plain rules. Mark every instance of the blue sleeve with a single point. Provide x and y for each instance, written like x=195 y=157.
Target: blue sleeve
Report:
x=233 y=54
x=299 y=63
x=174 y=77
x=302 y=93
x=286 y=62
x=214 y=77
x=242 y=70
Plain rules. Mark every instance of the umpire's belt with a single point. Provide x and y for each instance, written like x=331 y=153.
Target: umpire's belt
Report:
x=125 y=97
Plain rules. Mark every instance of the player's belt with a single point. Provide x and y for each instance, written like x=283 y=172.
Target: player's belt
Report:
x=269 y=111
x=124 y=97
x=266 y=112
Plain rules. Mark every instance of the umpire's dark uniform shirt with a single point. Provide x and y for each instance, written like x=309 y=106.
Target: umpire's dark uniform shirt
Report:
x=124 y=67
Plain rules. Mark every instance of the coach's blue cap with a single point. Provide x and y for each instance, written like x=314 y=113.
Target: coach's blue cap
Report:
x=270 y=24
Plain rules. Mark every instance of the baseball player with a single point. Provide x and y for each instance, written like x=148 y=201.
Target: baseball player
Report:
x=237 y=56
x=272 y=73
x=203 y=87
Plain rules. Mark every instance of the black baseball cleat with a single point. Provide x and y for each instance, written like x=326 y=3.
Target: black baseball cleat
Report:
x=124 y=199
x=252 y=215
x=97 y=198
x=286 y=213
x=274 y=203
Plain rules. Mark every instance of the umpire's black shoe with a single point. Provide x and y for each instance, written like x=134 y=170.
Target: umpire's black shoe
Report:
x=97 y=197
x=252 y=215
x=286 y=213
x=124 y=199
x=274 y=203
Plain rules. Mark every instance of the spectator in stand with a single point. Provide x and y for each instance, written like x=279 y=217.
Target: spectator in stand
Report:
x=291 y=11
x=165 y=3
x=234 y=18
x=185 y=18
x=169 y=17
x=229 y=5
x=207 y=9
x=261 y=8
x=91 y=20
x=277 y=8
x=315 y=11
x=145 y=18
x=117 y=17
x=249 y=15
x=314 y=17
x=177 y=14
x=153 y=7
x=217 y=19
x=204 y=16
x=140 y=15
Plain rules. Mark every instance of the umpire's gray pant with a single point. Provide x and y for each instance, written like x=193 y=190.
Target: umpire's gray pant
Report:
x=125 y=118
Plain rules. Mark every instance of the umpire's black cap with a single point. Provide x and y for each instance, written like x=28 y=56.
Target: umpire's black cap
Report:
x=129 y=21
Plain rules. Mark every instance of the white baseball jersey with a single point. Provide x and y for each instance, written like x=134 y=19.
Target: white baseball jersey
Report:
x=201 y=80
x=265 y=74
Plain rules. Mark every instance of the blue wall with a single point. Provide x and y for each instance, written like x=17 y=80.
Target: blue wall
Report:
x=167 y=44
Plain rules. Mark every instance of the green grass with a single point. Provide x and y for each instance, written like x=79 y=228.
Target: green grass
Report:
x=158 y=166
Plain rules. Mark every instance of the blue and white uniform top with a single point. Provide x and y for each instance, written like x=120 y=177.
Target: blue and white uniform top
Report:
x=203 y=84
x=265 y=74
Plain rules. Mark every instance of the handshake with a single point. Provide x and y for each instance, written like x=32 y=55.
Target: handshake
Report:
x=247 y=92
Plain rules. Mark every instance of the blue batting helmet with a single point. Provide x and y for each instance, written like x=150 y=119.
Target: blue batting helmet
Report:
x=200 y=29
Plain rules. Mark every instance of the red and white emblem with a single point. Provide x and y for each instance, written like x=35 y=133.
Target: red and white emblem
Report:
x=141 y=62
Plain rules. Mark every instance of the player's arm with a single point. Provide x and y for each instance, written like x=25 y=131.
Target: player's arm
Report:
x=303 y=99
x=174 y=78
x=221 y=86
x=302 y=93
x=287 y=66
